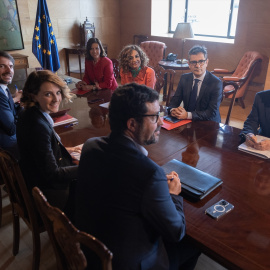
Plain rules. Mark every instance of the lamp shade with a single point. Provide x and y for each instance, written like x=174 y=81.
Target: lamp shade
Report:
x=183 y=30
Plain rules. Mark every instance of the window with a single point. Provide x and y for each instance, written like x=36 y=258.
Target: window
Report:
x=214 y=18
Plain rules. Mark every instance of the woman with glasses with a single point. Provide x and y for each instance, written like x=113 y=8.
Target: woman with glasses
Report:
x=133 y=67
x=98 y=68
x=200 y=91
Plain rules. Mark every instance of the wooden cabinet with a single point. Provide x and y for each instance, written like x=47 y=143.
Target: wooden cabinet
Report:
x=20 y=71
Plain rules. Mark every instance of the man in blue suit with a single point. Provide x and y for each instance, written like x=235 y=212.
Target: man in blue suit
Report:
x=258 y=122
x=9 y=109
x=200 y=91
x=124 y=198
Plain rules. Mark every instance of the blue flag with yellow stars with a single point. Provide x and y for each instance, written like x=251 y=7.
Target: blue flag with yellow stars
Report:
x=44 y=45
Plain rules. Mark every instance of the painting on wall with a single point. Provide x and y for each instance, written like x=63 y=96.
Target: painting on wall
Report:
x=10 y=28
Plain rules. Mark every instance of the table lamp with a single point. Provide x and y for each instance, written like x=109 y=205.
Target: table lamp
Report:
x=183 y=31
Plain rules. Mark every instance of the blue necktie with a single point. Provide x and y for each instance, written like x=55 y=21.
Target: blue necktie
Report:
x=11 y=102
x=193 y=97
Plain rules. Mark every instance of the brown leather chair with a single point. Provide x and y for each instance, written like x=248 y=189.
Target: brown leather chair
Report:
x=66 y=239
x=164 y=78
x=116 y=70
x=155 y=51
x=241 y=76
x=22 y=205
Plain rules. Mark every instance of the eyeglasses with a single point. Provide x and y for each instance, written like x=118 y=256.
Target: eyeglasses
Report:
x=154 y=117
x=200 y=62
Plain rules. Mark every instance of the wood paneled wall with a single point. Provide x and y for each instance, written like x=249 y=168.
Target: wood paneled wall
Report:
x=66 y=16
x=117 y=21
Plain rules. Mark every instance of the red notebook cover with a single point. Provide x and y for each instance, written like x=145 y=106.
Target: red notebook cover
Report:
x=64 y=119
x=168 y=125
x=79 y=92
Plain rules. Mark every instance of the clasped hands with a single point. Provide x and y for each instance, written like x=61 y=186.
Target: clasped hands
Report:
x=174 y=183
x=82 y=85
x=251 y=141
x=179 y=113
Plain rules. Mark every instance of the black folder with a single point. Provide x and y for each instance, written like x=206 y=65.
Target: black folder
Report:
x=196 y=184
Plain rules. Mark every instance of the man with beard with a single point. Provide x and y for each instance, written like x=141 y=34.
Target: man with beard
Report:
x=200 y=91
x=124 y=198
x=9 y=107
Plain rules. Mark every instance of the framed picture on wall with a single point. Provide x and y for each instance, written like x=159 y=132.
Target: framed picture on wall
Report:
x=10 y=28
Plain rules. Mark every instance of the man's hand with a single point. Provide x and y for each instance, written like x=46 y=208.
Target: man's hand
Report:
x=251 y=141
x=174 y=183
x=80 y=84
x=17 y=96
x=179 y=113
x=263 y=145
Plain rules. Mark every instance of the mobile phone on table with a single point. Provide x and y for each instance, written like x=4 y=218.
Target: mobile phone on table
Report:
x=219 y=209
x=96 y=100
x=172 y=119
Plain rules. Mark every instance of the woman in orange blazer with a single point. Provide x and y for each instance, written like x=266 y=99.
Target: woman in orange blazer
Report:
x=133 y=67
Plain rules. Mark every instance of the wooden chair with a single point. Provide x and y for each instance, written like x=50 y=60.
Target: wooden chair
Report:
x=116 y=70
x=155 y=51
x=66 y=239
x=164 y=79
x=22 y=205
x=241 y=76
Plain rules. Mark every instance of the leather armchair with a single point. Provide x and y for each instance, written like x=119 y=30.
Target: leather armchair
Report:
x=155 y=51
x=241 y=76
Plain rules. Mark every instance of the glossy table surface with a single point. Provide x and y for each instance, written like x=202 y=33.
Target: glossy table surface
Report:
x=173 y=65
x=240 y=239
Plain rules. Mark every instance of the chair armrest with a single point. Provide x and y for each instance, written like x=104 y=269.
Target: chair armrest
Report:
x=232 y=79
x=221 y=71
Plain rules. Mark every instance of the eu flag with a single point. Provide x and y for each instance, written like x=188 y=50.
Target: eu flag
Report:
x=44 y=45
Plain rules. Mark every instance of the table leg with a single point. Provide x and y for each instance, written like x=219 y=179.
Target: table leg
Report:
x=165 y=87
x=80 y=65
x=67 y=59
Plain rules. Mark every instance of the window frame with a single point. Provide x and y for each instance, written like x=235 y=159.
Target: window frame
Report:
x=186 y=15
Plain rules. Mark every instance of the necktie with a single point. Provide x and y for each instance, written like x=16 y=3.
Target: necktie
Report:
x=193 y=97
x=11 y=102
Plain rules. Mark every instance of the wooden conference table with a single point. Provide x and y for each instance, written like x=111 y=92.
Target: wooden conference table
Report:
x=240 y=239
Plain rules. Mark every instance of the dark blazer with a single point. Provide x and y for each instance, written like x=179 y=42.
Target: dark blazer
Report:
x=45 y=162
x=8 y=119
x=258 y=121
x=123 y=199
x=208 y=101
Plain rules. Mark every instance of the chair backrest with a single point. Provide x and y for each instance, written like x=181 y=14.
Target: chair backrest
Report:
x=246 y=63
x=116 y=70
x=19 y=195
x=155 y=51
x=164 y=78
x=66 y=238
x=137 y=39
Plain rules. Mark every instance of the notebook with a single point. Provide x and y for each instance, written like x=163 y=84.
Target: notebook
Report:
x=196 y=184
x=168 y=125
x=263 y=154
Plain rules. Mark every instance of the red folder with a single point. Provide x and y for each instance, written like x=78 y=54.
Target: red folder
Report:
x=79 y=92
x=168 y=125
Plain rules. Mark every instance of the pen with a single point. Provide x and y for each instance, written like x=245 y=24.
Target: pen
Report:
x=71 y=125
x=16 y=87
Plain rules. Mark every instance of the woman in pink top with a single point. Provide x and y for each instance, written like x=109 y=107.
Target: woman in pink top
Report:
x=133 y=67
x=98 y=68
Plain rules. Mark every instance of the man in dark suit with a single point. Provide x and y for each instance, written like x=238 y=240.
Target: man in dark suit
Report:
x=200 y=91
x=258 y=122
x=9 y=108
x=124 y=198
